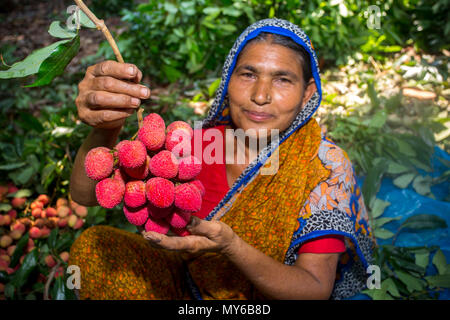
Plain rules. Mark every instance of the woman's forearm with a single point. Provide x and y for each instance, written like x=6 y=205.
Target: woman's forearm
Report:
x=82 y=188
x=273 y=279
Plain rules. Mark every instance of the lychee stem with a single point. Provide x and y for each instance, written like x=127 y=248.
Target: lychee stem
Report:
x=49 y=280
x=100 y=24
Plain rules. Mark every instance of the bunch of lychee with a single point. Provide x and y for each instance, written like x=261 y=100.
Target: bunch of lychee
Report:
x=154 y=176
x=37 y=218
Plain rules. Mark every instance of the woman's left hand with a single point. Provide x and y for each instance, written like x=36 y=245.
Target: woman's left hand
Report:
x=205 y=236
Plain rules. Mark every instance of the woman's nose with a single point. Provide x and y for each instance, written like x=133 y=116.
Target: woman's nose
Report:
x=261 y=92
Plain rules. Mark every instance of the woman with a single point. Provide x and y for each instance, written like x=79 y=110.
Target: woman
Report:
x=301 y=233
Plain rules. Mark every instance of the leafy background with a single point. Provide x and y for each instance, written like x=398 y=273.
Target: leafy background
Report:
x=385 y=102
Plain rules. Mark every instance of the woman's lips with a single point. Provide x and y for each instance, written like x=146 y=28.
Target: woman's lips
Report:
x=257 y=116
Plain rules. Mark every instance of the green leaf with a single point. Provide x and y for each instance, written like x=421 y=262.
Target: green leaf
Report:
x=64 y=242
x=378 y=207
x=18 y=252
x=59 y=290
x=390 y=286
x=383 y=233
x=55 y=64
x=25 y=175
x=440 y=262
x=58 y=32
x=213 y=87
x=31 y=64
x=422 y=185
x=442 y=281
x=5 y=207
x=395 y=168
x=372 y=183
x=47 y=171
x=22 y=193
x=412 y=283
x=424 y=222
x=382 y=221
x=404 y=180
x=9 y=290
x=29 y=264
x=85 y=21
x=405 y=148
x=12 y=166
x=52 y=238
x=30 y=122
x=378 y=120
x=422 y=259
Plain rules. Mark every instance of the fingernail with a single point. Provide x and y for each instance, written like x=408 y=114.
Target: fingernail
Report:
x=152 y=238
x=144 y=92
x=135 y=101
x=131 y=71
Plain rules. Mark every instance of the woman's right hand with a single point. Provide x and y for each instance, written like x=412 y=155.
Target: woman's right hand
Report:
x=109 y=93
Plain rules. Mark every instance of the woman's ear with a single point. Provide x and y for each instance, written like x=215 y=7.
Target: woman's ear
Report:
x=309 y=91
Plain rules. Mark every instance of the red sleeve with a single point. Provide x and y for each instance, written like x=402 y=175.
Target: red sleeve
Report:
x=324 y=244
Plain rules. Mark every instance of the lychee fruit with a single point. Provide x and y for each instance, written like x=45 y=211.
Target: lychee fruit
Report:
x=200 y=186
x=160 y=192
x=181 y=125
x=136 y=216
x=62 y=222
x=154 y=120
x=157 y=225
x=132 y=154
x=187 y=197
x=81 y=211
x=164 y=164
x=72 y=221
x=152 y=137
x=63 y=211
x=45 y=232
x=12 y=213
x=18 y=202
x=51 y=212
x=179 y=143
x=17 y=225
x=141 y=172
x=99 y=163
x=5 y=241
x=5 y=220
x=35 y=233
x=36 y=204
x=16 y=234
x=37 y=212
x=49 y=261
x=109 y=193
x=43 y=198
x=78 y=224
x=135 y=194
x=188 y=168
x=159 y=213
x=179 y=219
x=10 y=250
x=64 y=256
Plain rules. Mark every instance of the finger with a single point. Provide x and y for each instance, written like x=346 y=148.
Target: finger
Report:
x=97 y=118
x=115 y=69
x=114 y=85
x=104 y=99
x=138 y=77
x=201 y=227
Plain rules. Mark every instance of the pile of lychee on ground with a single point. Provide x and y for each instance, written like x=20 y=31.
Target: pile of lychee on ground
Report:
x=33 y=219
x=154 y=176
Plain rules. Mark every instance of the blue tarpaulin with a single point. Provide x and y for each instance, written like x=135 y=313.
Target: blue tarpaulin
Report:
x=407 y=202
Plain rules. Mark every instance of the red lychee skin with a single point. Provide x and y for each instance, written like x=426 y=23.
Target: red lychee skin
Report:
x=119 y=175
x=35 y=233
x=159 y=213
x=12 y=213
x=64 y=256
x=36 y=212
x=5 y=220
x=180 y=125
x=44 y=199
x=199 y=186
x=17 y=225
x=63 y=211
x=81 y=211
x=16 y=234
x=152 y=137
x=187 y=197
x=157 y=225
x=18 y=202
x=179 y=219
x=132 y=154
x=180 y=232
x=109 y=193
x=61 y=202
x=99 y=163
x=10 y=250
x=62 y=222
x=154 y=120
x=49 y=261
x=160 y=192
x=51 y=212
x=45 y=232
x=141 y=172
x=135 y=194
x=164 y=164
x=12 y=188
x=78 y=224
x=136 y=216
x=179 y=143
x=117 y=147
x=5 y=241
x=3 y=192
x=36 y=204
x=189 y=168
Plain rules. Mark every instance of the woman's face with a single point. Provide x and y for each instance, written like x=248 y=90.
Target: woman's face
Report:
x=266 y=89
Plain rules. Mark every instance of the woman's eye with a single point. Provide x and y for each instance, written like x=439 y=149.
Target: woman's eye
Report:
x=248 y=75
x=286 y=80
